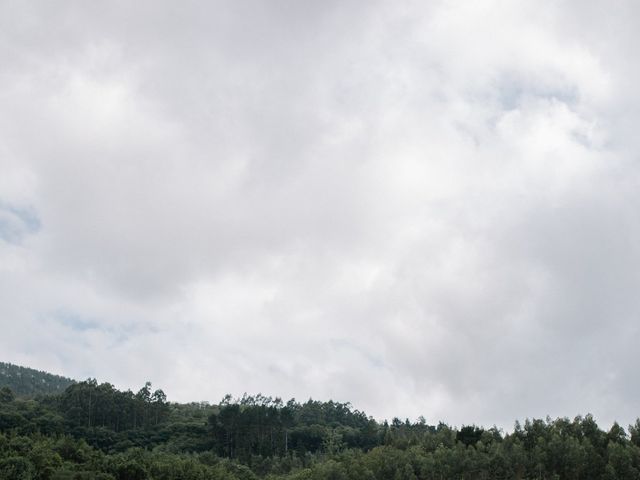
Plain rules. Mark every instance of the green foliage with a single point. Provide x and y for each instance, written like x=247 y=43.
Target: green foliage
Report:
x=94 y=431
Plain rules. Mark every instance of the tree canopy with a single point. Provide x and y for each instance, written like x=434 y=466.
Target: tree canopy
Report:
x=94 y=431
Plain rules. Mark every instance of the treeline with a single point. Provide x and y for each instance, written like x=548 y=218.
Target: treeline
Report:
x=28 y=382
x=94 y=431
x=89 y=404
x=267 y=427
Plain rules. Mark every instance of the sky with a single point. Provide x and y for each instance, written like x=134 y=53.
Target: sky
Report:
x=419 y=207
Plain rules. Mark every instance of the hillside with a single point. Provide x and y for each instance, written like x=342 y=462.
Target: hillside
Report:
x=28 y=382
x=94 y=431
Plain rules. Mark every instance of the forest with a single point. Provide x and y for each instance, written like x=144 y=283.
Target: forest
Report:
x=92 y=430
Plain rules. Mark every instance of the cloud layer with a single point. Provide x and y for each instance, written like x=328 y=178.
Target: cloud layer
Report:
x=424 y=208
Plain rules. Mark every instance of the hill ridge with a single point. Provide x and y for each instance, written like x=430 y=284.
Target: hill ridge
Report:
x=29 y=382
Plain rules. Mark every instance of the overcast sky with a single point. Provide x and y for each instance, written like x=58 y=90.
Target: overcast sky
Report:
x=421 y=207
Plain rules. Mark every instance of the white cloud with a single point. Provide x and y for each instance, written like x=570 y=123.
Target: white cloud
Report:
x=418 y=208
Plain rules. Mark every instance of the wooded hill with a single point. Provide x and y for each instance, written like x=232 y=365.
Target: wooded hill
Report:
x=27 y=382
x=95 y=431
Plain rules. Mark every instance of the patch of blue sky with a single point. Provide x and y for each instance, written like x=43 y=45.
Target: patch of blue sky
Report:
x=17 y=222
x=78 y=323
x=75 y=321
x=512 y=90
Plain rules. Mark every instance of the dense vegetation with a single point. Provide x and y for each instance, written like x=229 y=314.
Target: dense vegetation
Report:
x=94 y=431
x=27 y=382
